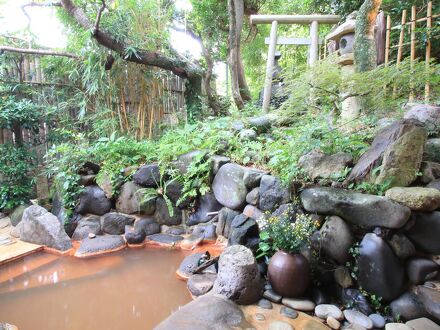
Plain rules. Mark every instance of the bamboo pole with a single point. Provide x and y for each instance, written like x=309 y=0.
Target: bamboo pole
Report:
x=387 y=41
x=413 y=48
x=402 y=34
x=420 y=20
x=428 y=46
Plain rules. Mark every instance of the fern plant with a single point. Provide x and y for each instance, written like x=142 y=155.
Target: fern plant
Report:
x=149 y=194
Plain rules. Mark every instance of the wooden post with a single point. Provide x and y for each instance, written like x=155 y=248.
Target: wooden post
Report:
x=402 y=34
x=314 y=44
x=380 y=36
x=413 y=46
x=428 y=46
x=387 y=41
x=269 y=67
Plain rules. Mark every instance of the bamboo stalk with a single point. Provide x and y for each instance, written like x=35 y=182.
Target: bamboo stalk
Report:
x=428 y=47
x=413 y=48
x=420 y=20
x=402 y=34
x=387 y=41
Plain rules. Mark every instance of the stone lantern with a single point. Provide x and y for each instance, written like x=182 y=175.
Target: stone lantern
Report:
x=341 y=40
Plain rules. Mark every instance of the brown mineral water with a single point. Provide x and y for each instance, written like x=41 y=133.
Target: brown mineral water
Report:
x=131 y=289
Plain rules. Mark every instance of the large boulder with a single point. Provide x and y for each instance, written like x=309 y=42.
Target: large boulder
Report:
x=407 y=307
x=380 y=271
x=238 y=277
x=184 y=161
x=131 y=200
x=114 y=223
x=93 y=200
x=228 y=186
x=432 y=150
x=87 y=225
x=147 y=176
x=429 y=115
x=39 y=226
x=318 y=165
x=148 y=225
x=416 y=198
x=252 y=177
x=420 y=270
x=403 y=141
x=134 y=235
x=425 y=232
x=272 y=193
x=363 y=210
x=163 y=215
x=244 y=231
x=206 y=204
x=430 y=298
x=205 y=313
x=225 y=218
x=100 y=245
x=335 y=239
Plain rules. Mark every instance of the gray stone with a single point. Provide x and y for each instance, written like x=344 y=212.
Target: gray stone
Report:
x=355 y=317
x=149 y=226
x=434 y=184
x=184 y=161
x=208 y=231
x=246 y=234
x=430 y=298
x=336 y=239
x=165 y=238
x=93 y=200
x=218 y=161
x=238 y=276
x=114 y=223
x=225 y=218
x=205 y=313
x=174 y=230
x=133 y=236
x=105 y=183
x=397 y=326
x=324 y=311
x=401 y=135
x=253 y=196
x=189 y=264
x=206 y=204
x=131 y=200
x=200 y=284
x=402 y=246
x=238 y=126
x=17 y=214
x=432 y=150
x=265 y=304
x=425 y=232
x=272 y=193
x=272 y=296
x=363 y=210
x=261 y=124
x=407 y=307
x=228 y=186
x=163 y=216
x=380 y=271
x=303 y=305
x=253 y=212
x=288 y=312
x=247 y=135
x=85 y=226
x=416 y=198
x=422 y=324
x=279 y=325
x=378 y=320
x=99 y=244
x=260 y=317
x=318 y=165
x=252 y=177
x=38 y=226
x=420 y=270
x=147 y=176
x=355 y=299
x=429 y=115
x=174 y=190
x=430 y=172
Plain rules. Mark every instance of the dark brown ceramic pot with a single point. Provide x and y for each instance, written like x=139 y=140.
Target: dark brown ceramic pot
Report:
x=289 y=274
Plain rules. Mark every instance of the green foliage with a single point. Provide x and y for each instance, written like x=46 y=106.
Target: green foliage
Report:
x=148 y=194
x=23 y=112
x=16 y=183
x=284 y=233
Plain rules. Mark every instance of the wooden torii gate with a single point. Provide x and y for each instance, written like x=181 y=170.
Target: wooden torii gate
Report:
x=274 y=20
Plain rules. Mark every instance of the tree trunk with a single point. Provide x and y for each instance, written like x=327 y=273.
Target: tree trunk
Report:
x=240 y=90
x=365 y=55
x=179 y=65
x=211 y=93
x=193 y=98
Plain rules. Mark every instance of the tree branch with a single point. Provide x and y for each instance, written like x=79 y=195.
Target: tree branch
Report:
x=36 y=51
x=179 y=65
x=98 y=17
